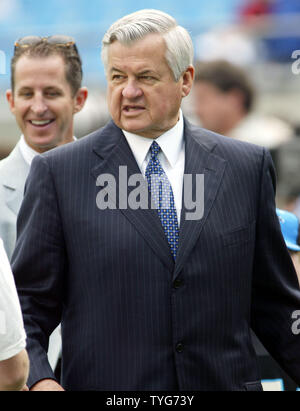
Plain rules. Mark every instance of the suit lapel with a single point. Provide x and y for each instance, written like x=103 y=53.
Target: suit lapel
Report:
x=114 y=151
x=199 y=159
x=13 y=176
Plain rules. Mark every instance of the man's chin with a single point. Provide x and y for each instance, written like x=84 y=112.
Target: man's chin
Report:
x=138 y=130
x=41 y=145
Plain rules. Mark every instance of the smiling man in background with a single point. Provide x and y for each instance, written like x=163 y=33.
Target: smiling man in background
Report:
x=46 y=92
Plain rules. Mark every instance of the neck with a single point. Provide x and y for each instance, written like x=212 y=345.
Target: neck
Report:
x=231 y=122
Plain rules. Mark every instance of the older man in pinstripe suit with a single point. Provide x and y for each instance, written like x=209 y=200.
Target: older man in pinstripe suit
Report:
x=148 y=301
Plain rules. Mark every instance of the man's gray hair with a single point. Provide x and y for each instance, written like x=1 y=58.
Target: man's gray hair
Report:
x=136 y=26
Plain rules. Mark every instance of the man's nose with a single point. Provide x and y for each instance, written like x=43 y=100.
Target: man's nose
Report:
x=132 y=90
x=38 y=106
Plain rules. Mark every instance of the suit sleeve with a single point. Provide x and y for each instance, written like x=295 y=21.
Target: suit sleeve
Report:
x=39 y=265
x=275 y=291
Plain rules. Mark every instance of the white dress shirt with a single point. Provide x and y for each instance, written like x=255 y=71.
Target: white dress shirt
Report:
x=27 y=152
x=171 y=157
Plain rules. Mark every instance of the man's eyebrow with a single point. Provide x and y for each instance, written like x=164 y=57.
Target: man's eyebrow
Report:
x=24 y=88
x=115 y=69
x=45 y=88
x=142 y=73
x=51 y=88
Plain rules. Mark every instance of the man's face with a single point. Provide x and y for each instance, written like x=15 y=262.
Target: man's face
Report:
x=212 y=106
x=143 y=97
x=42 y=102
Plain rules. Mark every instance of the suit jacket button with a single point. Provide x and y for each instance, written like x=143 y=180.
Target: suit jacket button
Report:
x=179 y=347
x=177 y=283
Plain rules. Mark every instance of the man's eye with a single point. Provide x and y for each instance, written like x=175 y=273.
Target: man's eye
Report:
x=117 y=77
x=147 y=78
x=52 y=93
x=26 y=94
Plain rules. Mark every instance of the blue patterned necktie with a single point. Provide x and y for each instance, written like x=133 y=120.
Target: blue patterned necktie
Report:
x=162 y=198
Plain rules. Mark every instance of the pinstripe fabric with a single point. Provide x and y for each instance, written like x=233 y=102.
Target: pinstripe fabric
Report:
x=125 y=305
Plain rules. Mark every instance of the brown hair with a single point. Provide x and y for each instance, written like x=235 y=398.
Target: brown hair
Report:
x=69 y=54
x=226 y=77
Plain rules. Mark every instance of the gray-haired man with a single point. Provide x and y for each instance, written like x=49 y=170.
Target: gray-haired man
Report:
x=149 y=298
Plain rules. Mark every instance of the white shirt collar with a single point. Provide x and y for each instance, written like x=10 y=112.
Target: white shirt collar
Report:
x=27 y=152
x=171 y=143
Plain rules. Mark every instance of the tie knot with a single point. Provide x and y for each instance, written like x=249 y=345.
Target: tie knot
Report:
x=154 y=149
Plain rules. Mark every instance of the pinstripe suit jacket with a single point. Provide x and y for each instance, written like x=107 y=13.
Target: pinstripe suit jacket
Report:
x=132 y=319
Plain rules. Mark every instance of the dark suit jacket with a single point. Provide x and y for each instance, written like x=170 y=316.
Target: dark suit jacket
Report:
x=131 y=318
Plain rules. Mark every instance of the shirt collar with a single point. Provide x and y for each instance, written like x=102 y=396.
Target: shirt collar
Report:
x=27 y=152
x=170 y=143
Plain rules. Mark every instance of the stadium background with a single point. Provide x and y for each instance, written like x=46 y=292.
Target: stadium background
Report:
x=278 y=86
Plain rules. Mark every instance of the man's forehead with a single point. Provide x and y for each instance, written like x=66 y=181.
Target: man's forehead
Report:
x=33 y=69
x=27 y=61
x=144 y=46
x=141 y=55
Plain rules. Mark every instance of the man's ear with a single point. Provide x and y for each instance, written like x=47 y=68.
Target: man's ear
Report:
x=188 y=78
x=10 y=100
x=80 y=99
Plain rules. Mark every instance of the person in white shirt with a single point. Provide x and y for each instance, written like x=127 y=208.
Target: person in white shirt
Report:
x=14 y=363
x=46 y=92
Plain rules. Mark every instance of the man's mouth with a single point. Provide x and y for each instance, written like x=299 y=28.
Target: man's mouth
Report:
x=129 y=109
x=40 y=123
